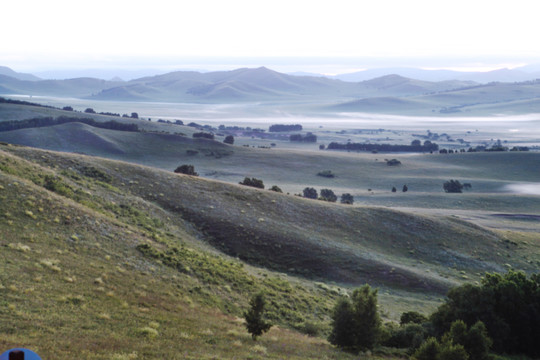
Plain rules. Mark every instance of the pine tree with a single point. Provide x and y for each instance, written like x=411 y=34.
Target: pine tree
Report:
x=356 y=324
x=255 y=323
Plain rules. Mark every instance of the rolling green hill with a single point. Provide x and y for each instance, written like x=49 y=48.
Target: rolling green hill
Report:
x=126 y=261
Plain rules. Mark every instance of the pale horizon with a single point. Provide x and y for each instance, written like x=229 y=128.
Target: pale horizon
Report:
x=339 y=37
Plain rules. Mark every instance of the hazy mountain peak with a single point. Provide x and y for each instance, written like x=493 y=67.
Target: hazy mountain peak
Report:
x=4 y=70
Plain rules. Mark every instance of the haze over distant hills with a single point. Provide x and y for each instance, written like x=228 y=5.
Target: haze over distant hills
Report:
x=501 y=75
x=379 y=90
x=4 y=70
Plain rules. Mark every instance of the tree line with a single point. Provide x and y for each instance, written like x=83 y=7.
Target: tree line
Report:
x=426 y=147
x=284 y=128
x=50 y=121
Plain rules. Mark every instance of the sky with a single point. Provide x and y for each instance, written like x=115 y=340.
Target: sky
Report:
x=321 y=36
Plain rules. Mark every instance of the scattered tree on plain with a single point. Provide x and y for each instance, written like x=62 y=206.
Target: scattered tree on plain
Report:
x=452 y=186
x=328 y=195
x=310 y=193
x=203 y=135
x=280 y=127
x=405 y=188
x=347 y=199
x=253 y=182
x=229 y=139
x=326 y=173
x=186 y=169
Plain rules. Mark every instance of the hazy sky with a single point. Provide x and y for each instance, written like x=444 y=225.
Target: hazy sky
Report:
x=38 y=34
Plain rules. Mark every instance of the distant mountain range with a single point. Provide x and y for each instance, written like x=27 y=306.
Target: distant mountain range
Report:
x=242 y=85
x=388 y=93
x=499 y=75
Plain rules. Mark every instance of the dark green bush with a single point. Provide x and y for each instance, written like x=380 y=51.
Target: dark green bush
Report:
x=310 y=193
x=347 y=199
x=452 y=186
x=186 y=169
x=253 y=182
x=328 y=195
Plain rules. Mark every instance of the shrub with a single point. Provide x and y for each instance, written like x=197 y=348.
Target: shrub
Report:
x=428 y=351
x=328 y=195
x=310 y=193
x=393 y=162
x=412 y=317
x=229 y=139
x=452 y=186
x=253 y=182
x=407 y=336
x=347 y=199
x=203 y=135
x=311 y=328
x=276 y=189
x=326 y=173
x=186 y=169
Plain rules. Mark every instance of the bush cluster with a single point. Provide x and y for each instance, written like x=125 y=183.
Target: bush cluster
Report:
x=253 y=182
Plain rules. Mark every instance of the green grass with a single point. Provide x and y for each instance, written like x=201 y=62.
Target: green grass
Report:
x=74 y=282
x=109 y=259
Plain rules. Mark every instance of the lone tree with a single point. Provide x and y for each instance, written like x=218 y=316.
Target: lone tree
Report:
x=276 y=189
x=186 y=169
x=255 y=323
x=310 y=193
x=328 y=195
x=347 y=199
x=356 y=323
x=229 y=139
x=405 y=188
x=452 y=186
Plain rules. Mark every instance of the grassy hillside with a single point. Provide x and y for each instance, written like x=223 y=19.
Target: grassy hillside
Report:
x=77 y=278
x=107 y=259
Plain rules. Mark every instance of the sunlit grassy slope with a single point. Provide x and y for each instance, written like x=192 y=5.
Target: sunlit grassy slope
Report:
x=106 y=259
